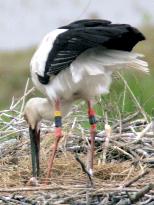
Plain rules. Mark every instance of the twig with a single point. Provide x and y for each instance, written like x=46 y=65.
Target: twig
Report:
x=24 y=97
x=12 y=107
x=135 y=179
x=114 y=189
x=14 y=201
x=47 y=188
x=39 y=188
x=127 y=119
x=141 y=193
x=129 y=173
x=134 y=98
x=12 y=133
x=108 y=132
x=64 y=200
x=124 y=99
x=141 y=134
x=124 y=152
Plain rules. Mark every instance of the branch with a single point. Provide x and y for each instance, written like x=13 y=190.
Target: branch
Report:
x=135 y=179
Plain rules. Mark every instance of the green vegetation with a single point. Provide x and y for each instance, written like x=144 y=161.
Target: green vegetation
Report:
x=14 y=71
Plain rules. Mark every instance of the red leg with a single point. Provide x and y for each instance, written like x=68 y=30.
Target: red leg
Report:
x=92 y=121
x=58 y=135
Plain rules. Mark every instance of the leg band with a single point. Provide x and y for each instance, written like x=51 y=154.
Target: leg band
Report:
x=91 y=115
x=57 y=113
x=58 y=121
x=58 y=124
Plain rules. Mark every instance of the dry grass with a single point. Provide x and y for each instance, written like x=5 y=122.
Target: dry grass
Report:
x=16 y=167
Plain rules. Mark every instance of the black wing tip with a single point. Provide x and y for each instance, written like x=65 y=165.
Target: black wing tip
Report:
x=141 y=37
x=131 y=30
x=137 y=32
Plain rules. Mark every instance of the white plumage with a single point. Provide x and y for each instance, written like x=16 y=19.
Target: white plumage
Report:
x=76 y=62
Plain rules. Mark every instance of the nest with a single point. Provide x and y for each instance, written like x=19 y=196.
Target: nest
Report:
x=16 y=167
x=123 y=165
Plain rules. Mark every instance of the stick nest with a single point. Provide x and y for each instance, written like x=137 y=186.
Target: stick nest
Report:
x=123 y=169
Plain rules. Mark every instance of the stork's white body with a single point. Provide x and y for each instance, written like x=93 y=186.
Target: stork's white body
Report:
x=88 y=76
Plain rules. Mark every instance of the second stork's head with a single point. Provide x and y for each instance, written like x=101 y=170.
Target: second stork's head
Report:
x=39 y=108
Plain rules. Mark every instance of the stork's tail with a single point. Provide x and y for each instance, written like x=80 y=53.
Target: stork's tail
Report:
x=139 y=64
x=101 y=61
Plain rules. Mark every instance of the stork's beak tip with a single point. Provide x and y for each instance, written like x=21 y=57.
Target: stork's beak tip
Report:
x=32 y=182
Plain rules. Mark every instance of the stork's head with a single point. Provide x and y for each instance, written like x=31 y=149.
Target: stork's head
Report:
x=35 y=110
x=38 y=108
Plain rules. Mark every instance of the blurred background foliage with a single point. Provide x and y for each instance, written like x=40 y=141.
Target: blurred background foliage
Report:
x=14 y=70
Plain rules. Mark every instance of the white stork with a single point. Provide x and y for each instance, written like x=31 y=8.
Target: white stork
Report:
x=76 y=61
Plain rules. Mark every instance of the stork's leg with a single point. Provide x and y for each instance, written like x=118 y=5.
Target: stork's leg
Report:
x=35 y=150
x=58 y=135
x=92 y=121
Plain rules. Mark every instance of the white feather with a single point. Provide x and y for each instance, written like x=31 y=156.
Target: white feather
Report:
x=100 y=60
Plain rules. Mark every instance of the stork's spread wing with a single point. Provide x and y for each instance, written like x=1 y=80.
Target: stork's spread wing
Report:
x=85 y=34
